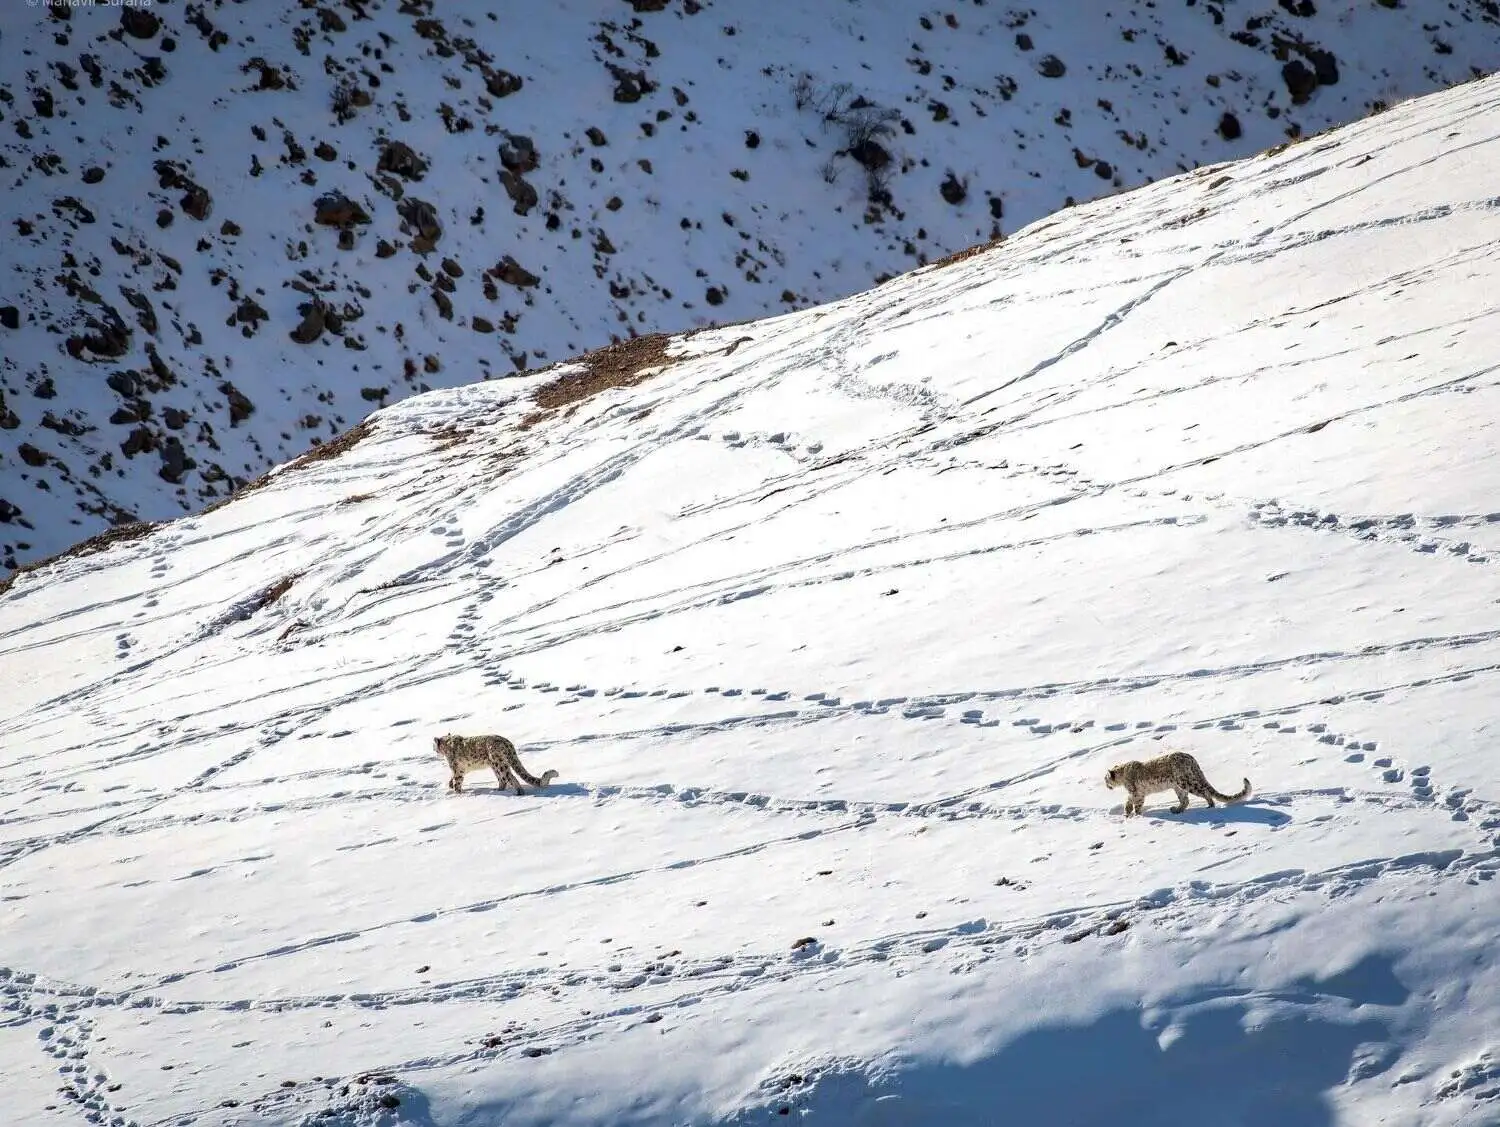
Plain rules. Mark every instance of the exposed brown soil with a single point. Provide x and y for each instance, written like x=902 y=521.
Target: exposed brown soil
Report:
x=622 y=364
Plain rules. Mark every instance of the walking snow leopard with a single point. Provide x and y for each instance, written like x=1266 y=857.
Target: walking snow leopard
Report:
x=474 y=753
x=1176 y=771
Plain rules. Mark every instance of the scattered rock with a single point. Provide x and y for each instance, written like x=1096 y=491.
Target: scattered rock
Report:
x=94 y=174
x=1325 y=66
x=401 y=159
x=481 y=325
x=309 y=330
x=596 y=136
x=501 y=83
x=124 y=382
x=249 y=312
x=518 y=153
x=109 y=340
x=161 y=375
x=1300 y=81
x=954 y=190
x=871 y=154
x=1050 y=66
x=174 y=460
x=271 y=76
x=512 y=273
x=197 y=202
x=139 y=441
x=31 y=455
x=630 y=85
x=421 y=216
x=10 y=316
x=145 y=312
x=139 y=22
x=240 y=407
x=523 y=195
x=337 y=210
x=1229 y=127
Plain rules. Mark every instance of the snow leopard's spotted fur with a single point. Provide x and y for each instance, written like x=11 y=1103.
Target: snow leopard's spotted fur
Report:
x=1177 y=771
x=474 y=753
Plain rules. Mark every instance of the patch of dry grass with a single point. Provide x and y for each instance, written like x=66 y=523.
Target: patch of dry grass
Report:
x=449 y=436
x=966 y=253
x=271 y=594
x=622 y=364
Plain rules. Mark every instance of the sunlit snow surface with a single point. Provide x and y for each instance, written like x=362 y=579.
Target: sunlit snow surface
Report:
x=831 y=628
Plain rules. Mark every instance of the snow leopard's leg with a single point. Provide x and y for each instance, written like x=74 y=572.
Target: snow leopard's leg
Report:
x=504 y=776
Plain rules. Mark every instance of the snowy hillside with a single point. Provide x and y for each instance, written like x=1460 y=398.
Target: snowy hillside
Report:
x=233 y=229
x=831 y=624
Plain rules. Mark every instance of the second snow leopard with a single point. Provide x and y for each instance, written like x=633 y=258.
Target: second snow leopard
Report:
x=1176 y=771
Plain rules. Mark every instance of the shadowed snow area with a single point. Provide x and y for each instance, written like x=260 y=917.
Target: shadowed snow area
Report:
x=831 y=625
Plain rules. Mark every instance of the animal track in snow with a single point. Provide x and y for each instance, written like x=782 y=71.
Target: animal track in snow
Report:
x=650 y=987
x=64 y=1034
x=1478 y=1080
x=1425 y=535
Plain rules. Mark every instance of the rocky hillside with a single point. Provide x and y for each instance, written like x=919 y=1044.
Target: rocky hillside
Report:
x=234 y=229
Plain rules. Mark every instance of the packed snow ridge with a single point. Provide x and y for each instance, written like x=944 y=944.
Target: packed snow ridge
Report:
x=831 y=625
x=232 y=230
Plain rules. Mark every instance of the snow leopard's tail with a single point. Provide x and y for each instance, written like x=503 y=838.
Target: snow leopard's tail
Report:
x=513 y=761
x=1244 y=794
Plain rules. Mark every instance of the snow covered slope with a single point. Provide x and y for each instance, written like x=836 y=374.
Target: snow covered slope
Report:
x=831 y=624
x=233 y=229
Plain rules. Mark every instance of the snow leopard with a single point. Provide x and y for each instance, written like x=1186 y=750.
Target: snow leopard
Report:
x=474 y=753
x=1177 y=771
